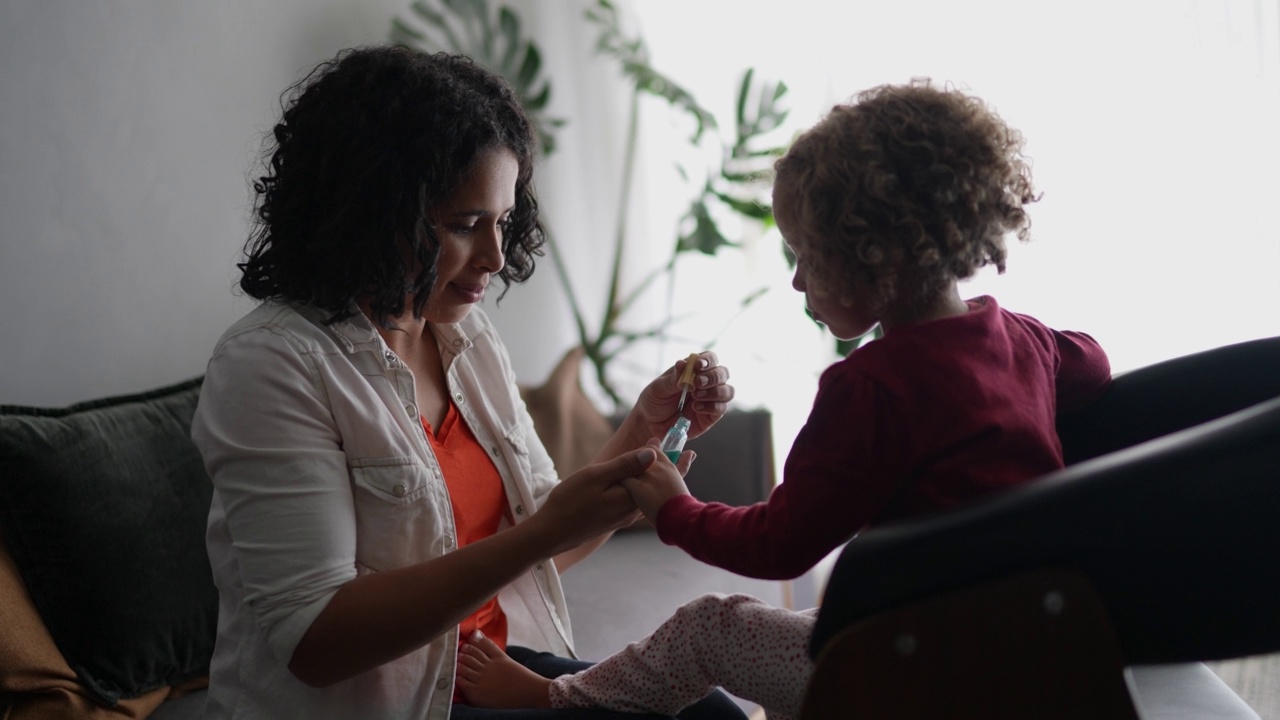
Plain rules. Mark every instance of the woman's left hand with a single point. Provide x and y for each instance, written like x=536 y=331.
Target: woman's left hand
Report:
x=706 y=403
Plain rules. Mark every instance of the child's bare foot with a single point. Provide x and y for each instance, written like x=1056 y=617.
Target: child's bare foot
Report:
x=489 y=678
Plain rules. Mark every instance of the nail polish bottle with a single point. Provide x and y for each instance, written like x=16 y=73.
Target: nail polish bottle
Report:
x=673 y=443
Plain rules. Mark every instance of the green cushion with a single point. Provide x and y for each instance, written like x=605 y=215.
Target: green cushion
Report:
x=103 y=506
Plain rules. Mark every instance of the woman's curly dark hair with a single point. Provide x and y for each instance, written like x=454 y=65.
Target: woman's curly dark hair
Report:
x=369 y=141
x=905 y=189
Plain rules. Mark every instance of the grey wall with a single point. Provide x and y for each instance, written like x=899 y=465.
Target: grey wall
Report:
x=128 y=132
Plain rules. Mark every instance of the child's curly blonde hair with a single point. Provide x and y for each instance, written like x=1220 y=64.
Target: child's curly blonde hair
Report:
x=903 y=191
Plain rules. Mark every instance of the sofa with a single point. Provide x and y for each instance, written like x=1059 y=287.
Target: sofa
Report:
x=107 y=605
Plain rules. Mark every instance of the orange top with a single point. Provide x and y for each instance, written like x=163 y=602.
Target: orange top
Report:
x=479 y=503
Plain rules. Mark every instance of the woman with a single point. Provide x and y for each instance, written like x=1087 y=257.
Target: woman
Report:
x=379 y=487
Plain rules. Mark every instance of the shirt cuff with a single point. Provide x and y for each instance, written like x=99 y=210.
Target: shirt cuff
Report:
x=284 y=636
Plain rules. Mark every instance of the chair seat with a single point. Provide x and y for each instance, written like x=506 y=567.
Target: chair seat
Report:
x=1184 y=691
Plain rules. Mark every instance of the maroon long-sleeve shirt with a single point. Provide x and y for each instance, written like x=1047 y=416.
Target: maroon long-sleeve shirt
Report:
x=931 y=416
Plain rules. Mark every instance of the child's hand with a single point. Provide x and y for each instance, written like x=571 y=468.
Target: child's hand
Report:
x=660 y=482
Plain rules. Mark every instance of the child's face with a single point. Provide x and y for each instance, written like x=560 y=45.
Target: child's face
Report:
x=844 y=311
x=841 y=305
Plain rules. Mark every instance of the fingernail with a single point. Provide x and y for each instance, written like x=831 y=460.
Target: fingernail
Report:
x=477 y=635
x=646 y=456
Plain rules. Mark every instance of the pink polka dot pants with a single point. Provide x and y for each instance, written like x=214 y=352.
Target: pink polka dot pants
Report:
x=753 y=650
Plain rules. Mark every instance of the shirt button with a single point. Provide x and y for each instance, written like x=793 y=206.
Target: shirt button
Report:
x=400 y=490
x=493 y=450
x=413 y=411
x=391 y=357
x=457 y=397
x=442 y=684
x=448 y=543
x=519 y=509
x=538 y=567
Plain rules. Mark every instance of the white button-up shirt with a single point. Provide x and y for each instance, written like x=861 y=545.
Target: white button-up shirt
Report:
x=322 y=472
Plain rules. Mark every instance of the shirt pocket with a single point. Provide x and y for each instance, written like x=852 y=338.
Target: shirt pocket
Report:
x=534 y=486
x=397 y=512
x=515 y=438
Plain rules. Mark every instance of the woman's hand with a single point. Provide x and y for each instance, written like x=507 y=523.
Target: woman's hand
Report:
x=706 y=403
x=592 y=501
x=660 y=482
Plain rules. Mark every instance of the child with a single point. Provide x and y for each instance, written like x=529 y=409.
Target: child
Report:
x=886 y=204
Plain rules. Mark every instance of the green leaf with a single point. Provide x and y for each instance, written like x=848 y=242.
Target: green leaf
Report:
x=705 y=236
x=529 y=68
x=743 y=90
x=400 y=33
x=430 y=15
x=773 y=152
x=509 y=27
x=467 y=27
x=753 y=296
x=750 y=208
x=539 y=101
x=633 y=56
x=749 y=177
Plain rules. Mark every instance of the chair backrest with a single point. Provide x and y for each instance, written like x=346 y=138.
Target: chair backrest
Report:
x=1172 y=395
x=1178 y=534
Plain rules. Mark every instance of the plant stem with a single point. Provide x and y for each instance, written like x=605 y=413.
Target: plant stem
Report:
x=563 y=272
x=613 y=310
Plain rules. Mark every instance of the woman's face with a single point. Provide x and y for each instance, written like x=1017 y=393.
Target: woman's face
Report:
x=469 y=226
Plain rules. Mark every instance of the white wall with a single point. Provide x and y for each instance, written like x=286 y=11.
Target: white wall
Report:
x=128 y=134
x=127 y=130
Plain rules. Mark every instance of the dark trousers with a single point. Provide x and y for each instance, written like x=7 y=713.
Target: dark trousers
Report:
x=716 y=706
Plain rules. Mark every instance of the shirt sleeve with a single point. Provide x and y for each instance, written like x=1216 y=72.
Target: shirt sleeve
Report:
x=1084 y=371
x=833 y=486
x=269 y=442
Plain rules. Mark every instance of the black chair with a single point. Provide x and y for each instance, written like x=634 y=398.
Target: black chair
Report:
x=1156 y=545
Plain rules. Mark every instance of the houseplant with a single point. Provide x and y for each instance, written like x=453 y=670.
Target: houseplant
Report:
x=735 y=185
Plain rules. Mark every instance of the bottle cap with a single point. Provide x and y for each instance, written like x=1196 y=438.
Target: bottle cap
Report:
x=690 y=366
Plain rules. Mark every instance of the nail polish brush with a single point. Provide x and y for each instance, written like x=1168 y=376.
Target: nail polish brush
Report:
x=686 y=380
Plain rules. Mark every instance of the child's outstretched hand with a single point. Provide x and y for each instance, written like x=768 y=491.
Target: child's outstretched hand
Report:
x=660 y=482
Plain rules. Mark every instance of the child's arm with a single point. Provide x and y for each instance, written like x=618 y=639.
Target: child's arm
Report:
x=837 y=477
x=1084 y=371
x=779 y=538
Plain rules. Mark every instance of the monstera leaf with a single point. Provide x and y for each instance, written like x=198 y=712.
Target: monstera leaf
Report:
x=469 y=27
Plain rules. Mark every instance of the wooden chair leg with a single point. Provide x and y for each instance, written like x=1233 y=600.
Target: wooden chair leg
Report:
x=1035 y=645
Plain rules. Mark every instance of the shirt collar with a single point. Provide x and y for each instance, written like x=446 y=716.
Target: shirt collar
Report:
x=357 y=332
